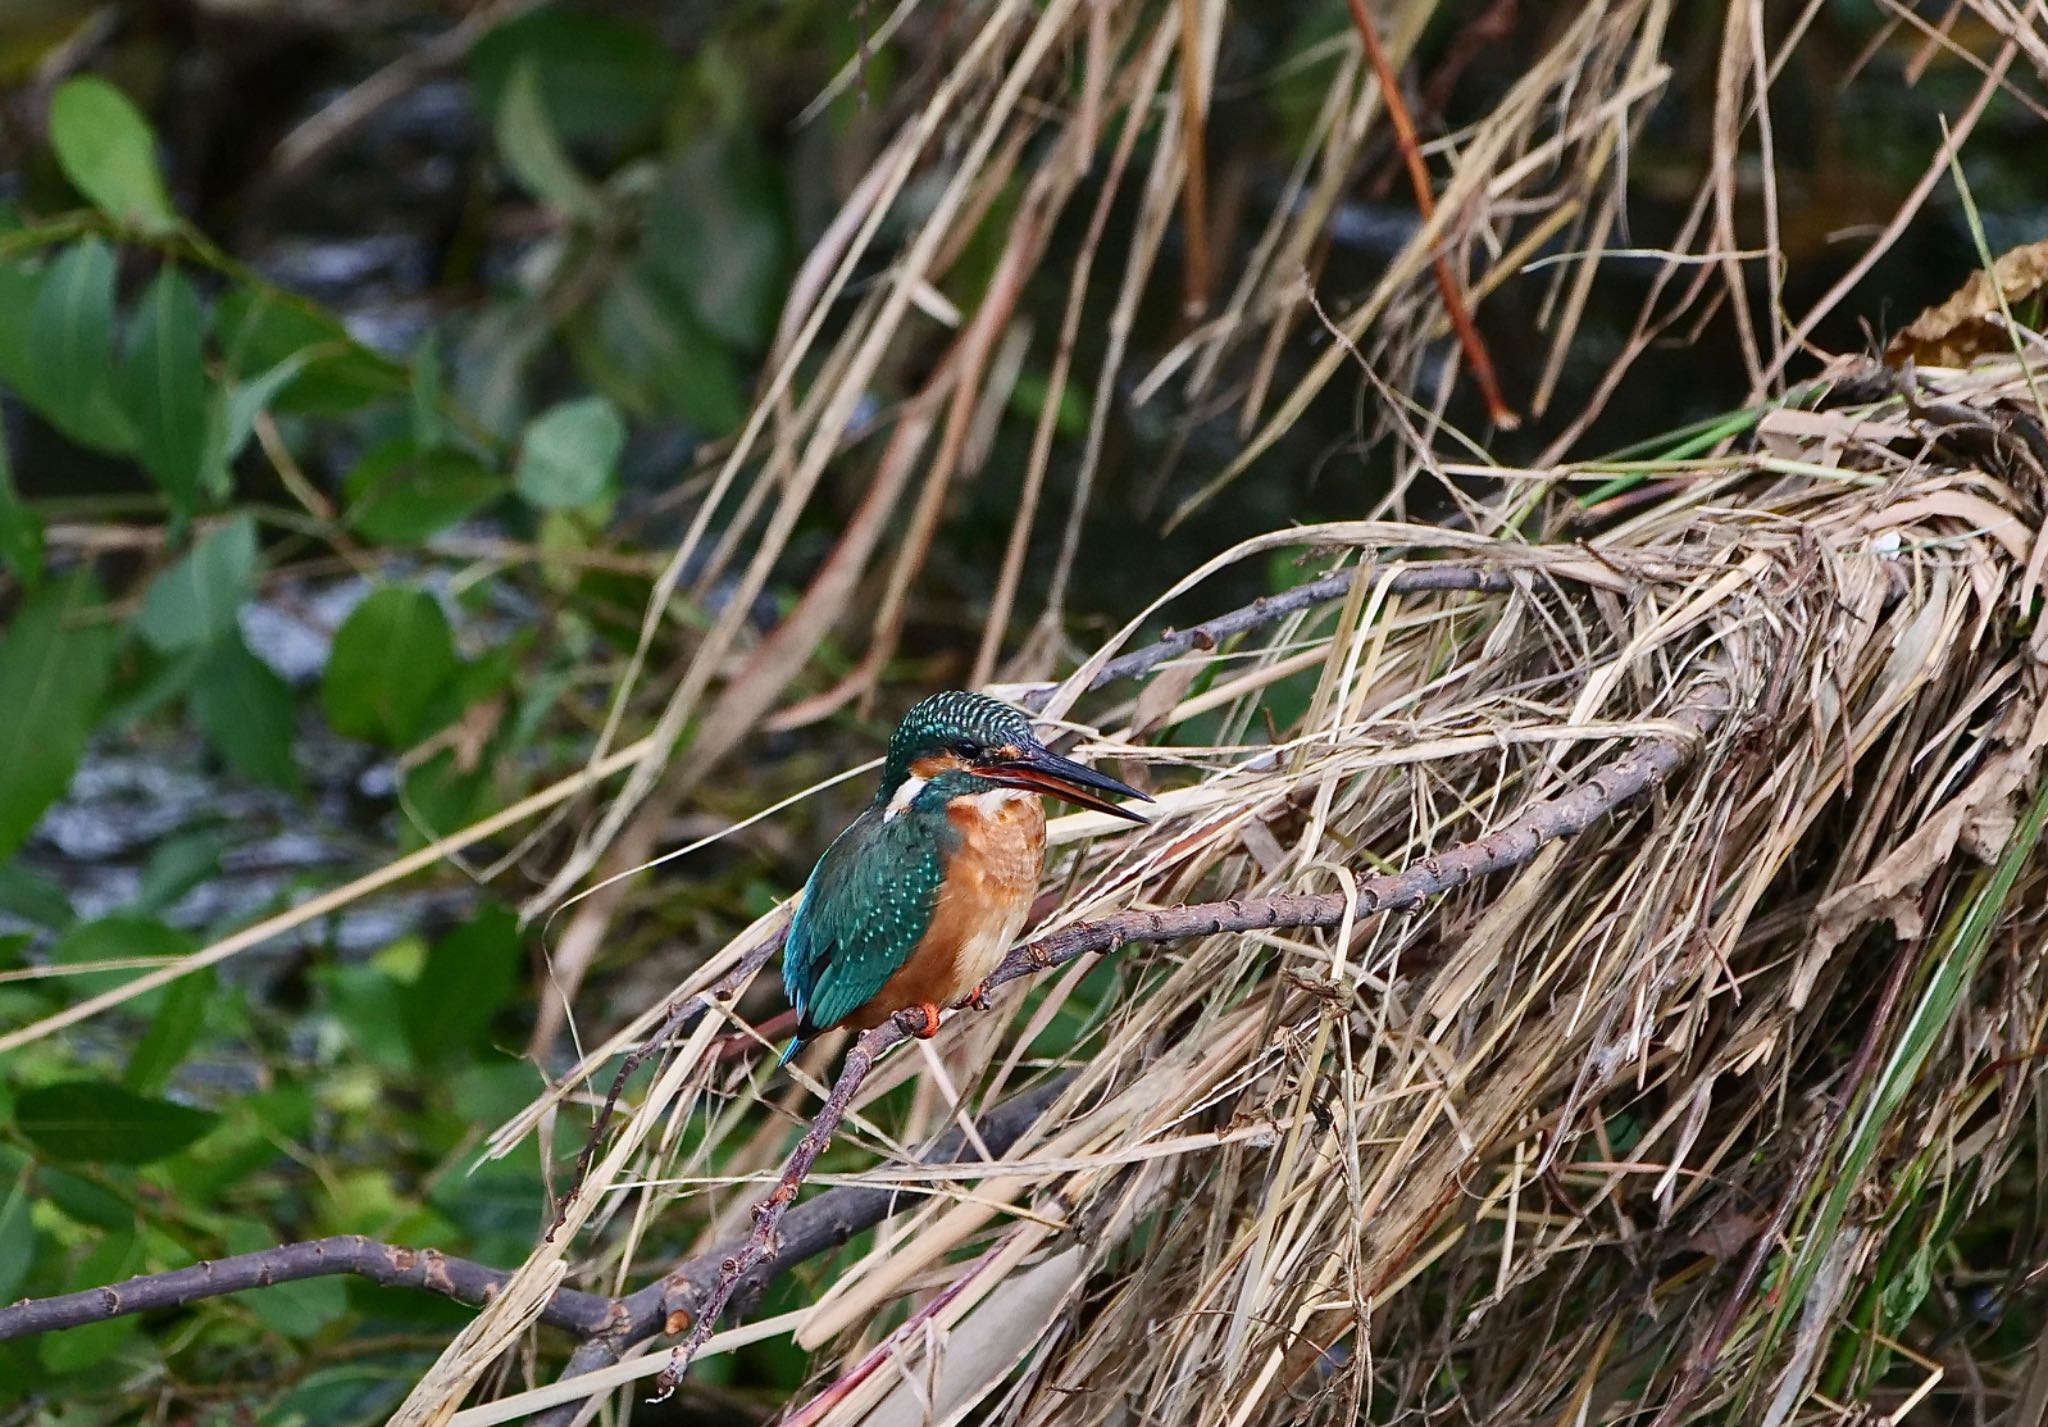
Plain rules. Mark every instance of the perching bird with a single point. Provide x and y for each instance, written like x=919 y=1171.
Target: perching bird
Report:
x=917 y=902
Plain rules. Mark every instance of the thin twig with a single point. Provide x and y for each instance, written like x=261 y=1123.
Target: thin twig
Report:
x=1497 y=409
x=1508 y=846
x=429 y=1269
x=1421 y=578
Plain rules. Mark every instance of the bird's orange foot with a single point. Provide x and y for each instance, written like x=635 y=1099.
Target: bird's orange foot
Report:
x=930 y=1026
x=977 y=999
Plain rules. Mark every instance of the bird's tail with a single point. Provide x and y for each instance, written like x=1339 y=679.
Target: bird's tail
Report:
x=796 y=1043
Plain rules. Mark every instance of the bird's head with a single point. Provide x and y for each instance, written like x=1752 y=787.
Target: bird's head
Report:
x=986 y=739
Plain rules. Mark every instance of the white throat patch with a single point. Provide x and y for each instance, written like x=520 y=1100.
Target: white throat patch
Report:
x=903 y=797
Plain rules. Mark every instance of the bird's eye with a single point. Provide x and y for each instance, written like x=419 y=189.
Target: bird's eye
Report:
x=965 y=747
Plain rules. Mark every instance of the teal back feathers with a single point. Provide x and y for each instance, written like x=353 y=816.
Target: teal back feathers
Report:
x=866 y=906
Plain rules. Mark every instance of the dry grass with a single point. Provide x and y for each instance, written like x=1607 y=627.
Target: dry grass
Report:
x=1519 y=1156
x=1691 y=1115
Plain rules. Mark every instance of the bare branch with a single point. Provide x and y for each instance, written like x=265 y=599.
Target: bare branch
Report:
x=1436 y=576
x=819 y=1225
x=472 y=1283
x=607 y=1325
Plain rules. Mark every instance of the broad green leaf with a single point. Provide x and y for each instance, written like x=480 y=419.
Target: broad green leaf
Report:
x=21 y=534
x=71 y=330
x=163 y=387
x=441 y=796
x=428 y=430
x=601 y=79
x=645 y=346
x=55 y=661
x=196 y=601
x=232 y=409
x=570 y=456
x=20 y=283
x=326 y=372
x=400 y=494
x=176 y=865
x=391 y=659
x=297 y=1310
x=171 y=1034
x=370 y=1007
x=115 y=1257
x=716 y=227
x=468 y=975
x=99 y=1122
x=247 y=715
x=85 y=1202
x=124 y=937
x=34 y=898
x=17 y=1239
x=108 y=152
x=528 y=144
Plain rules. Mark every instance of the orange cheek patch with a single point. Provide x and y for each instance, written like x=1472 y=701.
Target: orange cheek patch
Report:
x=933 y=764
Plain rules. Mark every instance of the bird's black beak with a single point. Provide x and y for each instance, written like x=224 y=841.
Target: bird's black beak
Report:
x=1040 y=770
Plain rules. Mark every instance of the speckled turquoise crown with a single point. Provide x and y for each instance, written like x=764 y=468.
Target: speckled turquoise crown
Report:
x=936 y=724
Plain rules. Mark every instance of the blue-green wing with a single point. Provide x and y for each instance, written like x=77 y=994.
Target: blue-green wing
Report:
x=868 y=902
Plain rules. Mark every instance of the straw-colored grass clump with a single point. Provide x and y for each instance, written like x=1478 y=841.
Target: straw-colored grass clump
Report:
x=1692 y=1111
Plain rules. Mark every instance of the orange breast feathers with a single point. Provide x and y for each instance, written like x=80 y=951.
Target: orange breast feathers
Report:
x=989 y=885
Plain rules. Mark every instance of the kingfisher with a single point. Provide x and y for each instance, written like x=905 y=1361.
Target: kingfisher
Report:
x=916 y=903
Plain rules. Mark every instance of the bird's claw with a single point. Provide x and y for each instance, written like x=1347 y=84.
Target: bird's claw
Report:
x=929 y=1025
x=977 y=999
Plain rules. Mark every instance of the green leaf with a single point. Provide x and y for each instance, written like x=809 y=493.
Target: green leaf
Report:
x=71 y=331
x=427 y=427
x=400 y=494
x=107 y=151
x=163 y=388
x=195 y=602
x=17 y=1239
x=601 y=79
x=247 y=715
x=646 y=347
x=171 y=1034
x=571 y=454
x=34 y=898
x=103 y=1123
x=231 y=411
x=122 y=937
x=181 y=862
x=370 y=1007
x=115 y=1257
x=392 y=657
x=306 y=357
x=467 y=977
x=716 y=228
x=54 y=669
x=530 y=148
x=20 y=283
x=21 y=534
